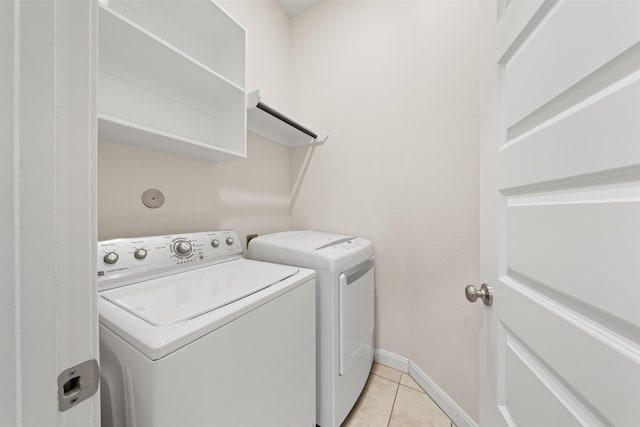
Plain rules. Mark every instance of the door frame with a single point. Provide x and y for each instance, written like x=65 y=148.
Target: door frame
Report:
x=48 y=311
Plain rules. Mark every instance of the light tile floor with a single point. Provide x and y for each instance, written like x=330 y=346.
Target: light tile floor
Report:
x=393 y=399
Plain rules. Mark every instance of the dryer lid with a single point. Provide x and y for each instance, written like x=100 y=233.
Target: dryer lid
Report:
x=179 y=297
x=303 y=240
x=311 y=249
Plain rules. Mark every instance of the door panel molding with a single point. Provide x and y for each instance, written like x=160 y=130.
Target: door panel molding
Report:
x=561 y=396
x=611 y=77
x=554 y=333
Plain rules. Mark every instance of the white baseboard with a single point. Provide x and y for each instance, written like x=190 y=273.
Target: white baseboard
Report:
x=455 y=413
x=391 y=360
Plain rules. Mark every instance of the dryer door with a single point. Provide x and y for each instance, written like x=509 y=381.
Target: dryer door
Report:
x=356 y=315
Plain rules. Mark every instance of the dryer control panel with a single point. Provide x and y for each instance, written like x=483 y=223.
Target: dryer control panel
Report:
x=124 y=261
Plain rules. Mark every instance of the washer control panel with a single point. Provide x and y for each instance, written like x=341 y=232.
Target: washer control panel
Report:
x=124 y=261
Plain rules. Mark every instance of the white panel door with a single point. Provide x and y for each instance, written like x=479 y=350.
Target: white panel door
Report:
x=48 y=312
x=560 y=213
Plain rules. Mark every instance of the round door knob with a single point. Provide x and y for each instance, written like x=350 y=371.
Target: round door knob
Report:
x=485 y=293
x=182 y=248
x=215 y=243
x=140 y=254
x=110 y=258
x=229 y=241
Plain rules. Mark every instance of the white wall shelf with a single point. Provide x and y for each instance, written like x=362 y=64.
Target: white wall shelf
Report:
x=112 y=129
x=199 y=28
x=169 y=99
x=269 y=122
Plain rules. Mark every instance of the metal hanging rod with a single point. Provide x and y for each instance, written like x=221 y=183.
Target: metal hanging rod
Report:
x=267 y=121
x=286 y=119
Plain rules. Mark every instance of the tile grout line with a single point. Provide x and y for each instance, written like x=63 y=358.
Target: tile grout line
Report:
x=421 y=391
x=394 y=404
x=430 y=398
x=388 y=379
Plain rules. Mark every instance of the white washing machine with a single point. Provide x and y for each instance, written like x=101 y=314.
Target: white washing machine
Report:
x=192 y=334
x=345 y=298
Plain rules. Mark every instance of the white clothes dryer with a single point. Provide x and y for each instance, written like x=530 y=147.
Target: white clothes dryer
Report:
x=192 y=334
x=345 y=304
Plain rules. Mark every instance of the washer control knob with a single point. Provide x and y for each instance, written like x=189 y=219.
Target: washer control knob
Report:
x=140 y=254
x=110 y=258
x=182 y=248
x=229 y=241
x=215 y=243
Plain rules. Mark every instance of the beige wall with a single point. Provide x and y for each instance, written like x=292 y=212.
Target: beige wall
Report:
x=250 y=196
x=268 y=48
x=395 y=84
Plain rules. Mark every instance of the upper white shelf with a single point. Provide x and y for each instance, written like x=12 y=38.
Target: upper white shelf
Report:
x=267 y=121
x=198 y=28
x=154 y=94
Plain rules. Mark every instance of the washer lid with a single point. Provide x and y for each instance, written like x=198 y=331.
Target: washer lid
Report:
x=186 y=295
